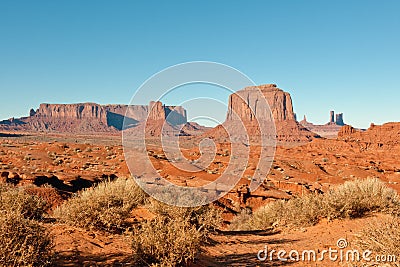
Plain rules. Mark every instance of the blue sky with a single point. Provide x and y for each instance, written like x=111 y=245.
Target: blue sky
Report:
x=330 y=55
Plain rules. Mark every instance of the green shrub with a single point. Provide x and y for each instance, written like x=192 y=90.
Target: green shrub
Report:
x=104 y=207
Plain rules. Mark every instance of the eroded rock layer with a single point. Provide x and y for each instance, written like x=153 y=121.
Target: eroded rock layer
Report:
x=92 y=117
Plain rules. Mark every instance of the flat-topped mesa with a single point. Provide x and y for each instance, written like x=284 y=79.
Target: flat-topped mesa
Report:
x=249 y=106
x=92 y=117
x=376 y=136
x=72 y=111
x=244 y=101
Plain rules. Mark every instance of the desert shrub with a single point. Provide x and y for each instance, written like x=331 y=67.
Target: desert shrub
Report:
x=242 y=220
x=105 y=206
x=174 y=235
x=382 y=237
x=205 y=218
x=355 y=198
x=23 y=242
x=349 y=200
x=301 y=211
x=50 y=195
x=14 y=199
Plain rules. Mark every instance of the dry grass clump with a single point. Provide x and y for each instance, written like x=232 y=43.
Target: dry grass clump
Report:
x=105 y=206
x=13 y=199
x=349 y=200
x=23 y=240
x=355 y=198
x=174 y=236
x=382 y=238
x=301 y=211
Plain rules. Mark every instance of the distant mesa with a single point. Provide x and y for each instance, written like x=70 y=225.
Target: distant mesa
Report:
x=328 y=130
x=242 y=104
x=95 y=118
x=376 y=136
x=92 y=117
x=246 y=106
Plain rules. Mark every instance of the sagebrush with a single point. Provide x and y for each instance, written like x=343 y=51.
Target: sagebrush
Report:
x=349 y=200
x=23 y=239
x=382 y=237
x=16 y=200
x=105 y=206
x=174 y=236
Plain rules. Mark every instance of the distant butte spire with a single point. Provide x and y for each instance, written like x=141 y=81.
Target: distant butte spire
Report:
x=305 y=118
x=332 y=120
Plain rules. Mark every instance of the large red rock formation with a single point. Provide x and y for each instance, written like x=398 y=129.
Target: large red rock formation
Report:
x=92 y=117
x=156 y=111
x=280 y=104
x=378 y=136
x=247 y=106
x=346 y=131
x=73 y=111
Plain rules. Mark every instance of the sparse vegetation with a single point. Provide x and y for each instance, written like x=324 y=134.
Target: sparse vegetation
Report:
x=16 y=200
x=171 y=237
x=382 y=237
x=349 y=200
x=355 y=198
x=174 y=235
x=23 y=240
x=105 y=206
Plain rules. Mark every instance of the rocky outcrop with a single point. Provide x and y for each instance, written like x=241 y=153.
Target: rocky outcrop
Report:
x=156 y=111
x=332 y=117
x=92 y=117
x=346 y=131
x=329 y=130
x=244 y=101
x=247 y=107
x=377 y=136
x=339 y=119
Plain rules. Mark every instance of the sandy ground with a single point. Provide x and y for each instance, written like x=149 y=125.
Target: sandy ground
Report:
x=70 y=163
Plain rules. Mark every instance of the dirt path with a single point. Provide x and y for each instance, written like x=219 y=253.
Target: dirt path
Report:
x=241 y=248
x=77 y=247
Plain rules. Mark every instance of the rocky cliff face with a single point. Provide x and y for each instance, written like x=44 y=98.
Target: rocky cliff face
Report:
x=247 y=107
x=244 y=101
x=379 y=136
x=91 y=117
x=346 y=131
x=73 y=111
x=328 y=130
x=156 y=111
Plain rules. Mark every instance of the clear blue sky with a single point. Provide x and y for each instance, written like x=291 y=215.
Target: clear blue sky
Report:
x=341 y=55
